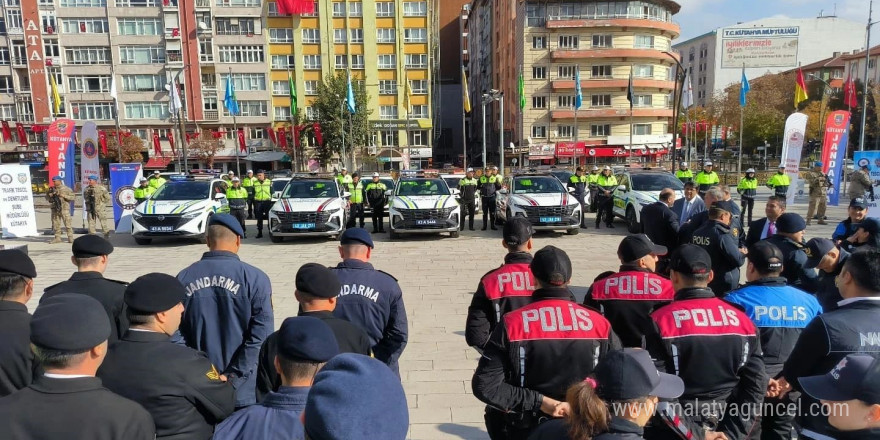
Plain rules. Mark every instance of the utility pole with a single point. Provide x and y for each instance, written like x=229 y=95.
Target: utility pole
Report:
x=865 y=79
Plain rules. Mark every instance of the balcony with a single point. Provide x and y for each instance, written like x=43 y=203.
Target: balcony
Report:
x=209 y=85
x=169 y=5
x=174 y=58
x=613 y=83
x=673 y=29
x=19 y=61
x=575 y=54
x=206 y=58
x=211 y=115
x=611 y=112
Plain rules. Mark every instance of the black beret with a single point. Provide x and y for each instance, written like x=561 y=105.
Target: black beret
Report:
x=790 y=223
x=317 y=280
x=70 y=322
x=306 y=338
x=89 y=246
x=154 y=293
x=14 y=261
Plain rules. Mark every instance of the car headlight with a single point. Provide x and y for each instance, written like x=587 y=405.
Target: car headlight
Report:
x=520 y=206
x=332 y=211
x=136 y=215
x=191 y=215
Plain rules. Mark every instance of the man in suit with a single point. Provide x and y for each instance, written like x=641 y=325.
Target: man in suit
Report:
x=763 y=228
x=695 y=220
x=660 y=224
x=691 y=204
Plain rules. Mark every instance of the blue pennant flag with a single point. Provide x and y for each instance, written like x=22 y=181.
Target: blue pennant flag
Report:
x=349 y=99
x=579 y=95
x=744 y=90
x=229 y=101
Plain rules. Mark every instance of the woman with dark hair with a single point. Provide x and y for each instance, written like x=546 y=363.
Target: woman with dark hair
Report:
x=867 y=234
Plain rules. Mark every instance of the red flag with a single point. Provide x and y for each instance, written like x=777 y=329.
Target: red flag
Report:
x=217 y=134
x=298 y=7
x=102 y=139
x=296 y=135
x=850 y=98
x=22 y=135
x=272 y=136
x=7 y=134
x=171 y=142
x=157 y=147
x=241 y=144
x=318 y=137
x=282 y=138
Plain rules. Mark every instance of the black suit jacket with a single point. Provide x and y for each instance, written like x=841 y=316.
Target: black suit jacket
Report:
x=16 y=359
x=660 y=224
x=110 y=293
x=755 y=228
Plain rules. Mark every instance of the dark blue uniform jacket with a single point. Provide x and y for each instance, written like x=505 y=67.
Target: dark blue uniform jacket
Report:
x=275 y=418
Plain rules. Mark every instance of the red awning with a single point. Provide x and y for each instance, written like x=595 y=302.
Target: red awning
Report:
x=157 y=163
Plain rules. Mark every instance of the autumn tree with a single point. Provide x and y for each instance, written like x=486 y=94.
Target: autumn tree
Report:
x=333 y=116
x=132 y=148
x=204 y=148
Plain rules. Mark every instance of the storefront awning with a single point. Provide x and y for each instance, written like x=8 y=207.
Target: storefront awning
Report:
x=158 y=163
x=266 y=156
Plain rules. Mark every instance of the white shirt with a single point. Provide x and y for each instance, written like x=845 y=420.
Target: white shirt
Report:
x=65 y=376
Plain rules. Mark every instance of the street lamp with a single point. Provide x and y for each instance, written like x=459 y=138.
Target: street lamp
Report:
x=680 y=76
x=495 y=95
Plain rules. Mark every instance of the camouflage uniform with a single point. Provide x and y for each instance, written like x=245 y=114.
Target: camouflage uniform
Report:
x=819 y=184
x=97 y=198
x=59 y=196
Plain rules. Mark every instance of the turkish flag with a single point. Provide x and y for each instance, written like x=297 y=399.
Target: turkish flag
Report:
x=318 y=137
x=171 y=142
x=241 y=144
x=7 y=134
x=272 y=136
x=102 y=139
x=22 y=135
x=157 y=147
x=282 y=138
x=217 y=134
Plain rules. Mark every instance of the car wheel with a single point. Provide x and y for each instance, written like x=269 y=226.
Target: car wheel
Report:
x=574 y=231
x=275 y=238
x=632 y=225
x=143 y=241
x=454 y=234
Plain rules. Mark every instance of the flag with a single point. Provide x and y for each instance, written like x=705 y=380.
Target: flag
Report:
x=629 y=90
x=229 y=100
x=850 y=98
x=349 y=99
x=174 y=104
x=466 y=91
x=272 y=135
x=687 y=96
x=522 y=91
x=56 y=97
x=744 y=90
x=113 y=93
x=578 y=93
x=294 y=109
x=299 y=7
x=295 y=131
x=7 y=133
x=319 y=139
x=282 y=138
x=408 y=98
x=22 y=135
x=800 y=89
x=102 y=139
x=157 y=147
x=171 y=143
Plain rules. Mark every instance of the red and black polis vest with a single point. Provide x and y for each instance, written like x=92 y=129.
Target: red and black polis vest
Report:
x=509 y=287
x=633 y=286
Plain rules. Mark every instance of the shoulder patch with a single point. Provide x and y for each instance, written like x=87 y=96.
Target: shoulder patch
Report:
x=213 y=374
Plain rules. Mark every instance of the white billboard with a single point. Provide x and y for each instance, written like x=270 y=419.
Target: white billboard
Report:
x=759 y=47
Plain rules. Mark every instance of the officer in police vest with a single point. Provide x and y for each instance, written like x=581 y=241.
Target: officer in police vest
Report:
x=715 y=236
x=578 y=182
x=248 y=184
x=684 y=173
x=779 y=182
x=536 y=352
x=748 y=189
x=712 y=345
x=780 y=312
x=468 y=188
x=262 y=200
x=706 y=178
x=356 y=201
x=628 y=297
x=852 y=328
x=237 y=197
x=593 y=183
x=144 y=191
x=488 y=185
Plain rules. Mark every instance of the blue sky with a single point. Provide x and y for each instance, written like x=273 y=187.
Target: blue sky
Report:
x=700 y=16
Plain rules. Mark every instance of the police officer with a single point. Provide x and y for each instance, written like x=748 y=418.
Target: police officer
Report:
x=59 y=196
x=370 y=298
x=228 y=307
x=262 y=200
x=789 y=239
x=819 y=183
x=606 y=183
x=578 y=181
x=628 y=297
x=343 y=178
x=715 y=237
x=857 y=212
x=852 y=328
x=850 y=392
x=593 y=182
x=69 y=338
x=237 y=197
x=179 y=386
x=779 y=182
x=356 y=201
x=156 y=180
x=228 y=177
x=489 y=184
x=711 y=345
x=780 y=312
x=748 y=189
x=684 y=173
x=375 y=193
x=468 y=189
x=560 y=342
x=706 y=178
x=316 y=291
x=91 y=256
x=248 y=184
x=17 y=273
x=828 y=260
x=144 y=191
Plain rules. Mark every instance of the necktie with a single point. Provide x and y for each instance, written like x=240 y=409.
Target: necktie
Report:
x=687 y=211
x=771 y=230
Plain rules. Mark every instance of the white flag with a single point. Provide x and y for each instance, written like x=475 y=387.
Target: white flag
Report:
x=174 y=104
x=113 y=93
x=687 y=97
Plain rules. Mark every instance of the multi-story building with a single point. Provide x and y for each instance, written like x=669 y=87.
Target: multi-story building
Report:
x=384 y=44
x=452 y=16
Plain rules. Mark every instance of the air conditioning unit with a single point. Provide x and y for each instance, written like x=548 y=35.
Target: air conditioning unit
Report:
x=252 y=150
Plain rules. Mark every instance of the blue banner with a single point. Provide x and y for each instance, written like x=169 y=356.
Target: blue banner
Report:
x=124 y=177
x=870 y=159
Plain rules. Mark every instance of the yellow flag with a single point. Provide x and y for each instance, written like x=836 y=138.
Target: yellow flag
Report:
x=56 y=98
x=467 y=93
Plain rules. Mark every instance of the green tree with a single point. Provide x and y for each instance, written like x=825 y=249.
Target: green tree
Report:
x=333 y=115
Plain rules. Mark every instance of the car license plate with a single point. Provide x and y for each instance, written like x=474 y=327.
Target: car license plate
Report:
x=426 y=222
x=550 y=219
x=303 y=226
x=161 y=228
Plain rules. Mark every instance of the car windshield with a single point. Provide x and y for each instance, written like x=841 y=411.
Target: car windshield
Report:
x=536 y=185
x=182 y=191
x=310 y=189
x=562 y=175
x=389 y=183
x=452 y=181
x=655 y=182
x=278 y=185
x=422 y=187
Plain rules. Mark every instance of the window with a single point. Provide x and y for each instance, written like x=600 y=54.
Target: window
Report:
x=282 y=62
x=13 y=18
x=539 y=131
x=602 y=41
x=341 y=61
x=568 y=41
x=872 y=62
x=137 y=3
x=89 y=84
x=600 y=72
x=643 y=71
x=339 y=36
x=539 y=72
x=644 y=41
x=2 y=26
x=600 y=130
x=281 y=88
x=539 y=42
x=418 y=137
x=643 y=100
x=389 y=137
x=564 y=131
x=281 y=35
x=387 y=112
x=51 y=49
x=281 y=113
x=272 y=9
x=311 y=113
x=837 y=74
x=357 y=35
x=416 y=61
x=85 y=26
x=241 y=54
x=239 y=3
x=7 y=111
x=415 y=9
x=311 y=36
x=87 y=55
x=312 y=62
x=135 y=26
x=83 y=3
x=415 y=35
x=419 y=86
x=355 y=9
x=256 y=133
x=565 y=72
x=143 y=83
x=384 y=9
x=236 y=26
x=386 y=35
x=357 y=62
x=93 y=110
x=247 y=81
x=251 y=108
x=641 y=129
x=146 y=110
x=6 y=84
x=387 y=87
x=539 y=102
x=535 y=15
x=141 y=54
x=601 y=100
x=339 y=9
x=311 y=87
x=388 y=61
x=565 y=101
x=4 y=56
x=418 y=111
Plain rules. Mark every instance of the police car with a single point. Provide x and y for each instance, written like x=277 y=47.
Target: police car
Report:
x=278 y=185
x=309 y=206
x=542 y=199
x=421 y=204
x=638 y=188
x=179 y=208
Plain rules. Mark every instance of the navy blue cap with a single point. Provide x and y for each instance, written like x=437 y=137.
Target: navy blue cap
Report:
x=90 y=245
x=227 y=221
x=517 y=231
x=317 y=280
x=724 y=205
x=818 y=164
x=306 y=338
x=855 y=377
x=871 y=225
x=551 y=265
x=765 y=256
x=790 y=223
x=70 y=322
x=858 y=202
x=634 y=247
x=630 y=374
x=154 y=293
x=816 y=249
x=690 y=259
x=355 y=397
x=356 y=236
x=57 y=178
x=14 y=261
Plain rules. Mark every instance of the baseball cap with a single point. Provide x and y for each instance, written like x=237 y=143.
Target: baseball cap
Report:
x=630 y=374
x=683 y=164
x=724 y=205
x=517 y=231
x=781 y=166
x=93 y=177
x=707 y=163
x=855 y=377
x=750 y=170
x=633 y=247
x=858 y=202
x=470 y=170
x=816 y=249
x=871 y=225
x=765 y=256
x=156 y=173
x=864 y=163
x=790 y=223
x=690 y=259
x=551 y=265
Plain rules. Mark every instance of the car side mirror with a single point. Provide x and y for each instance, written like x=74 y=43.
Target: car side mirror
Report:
x=389 y=193
x=456 y=192
x=346 y=194
x=502 y=191
x=219 y=196
x=622 y=188
x=276 y=195
x=571 y=190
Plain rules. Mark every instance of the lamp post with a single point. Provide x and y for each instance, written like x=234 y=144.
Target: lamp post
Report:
x=486 y=100
x=495 y=95
x=680 y=77
x=181 y=124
